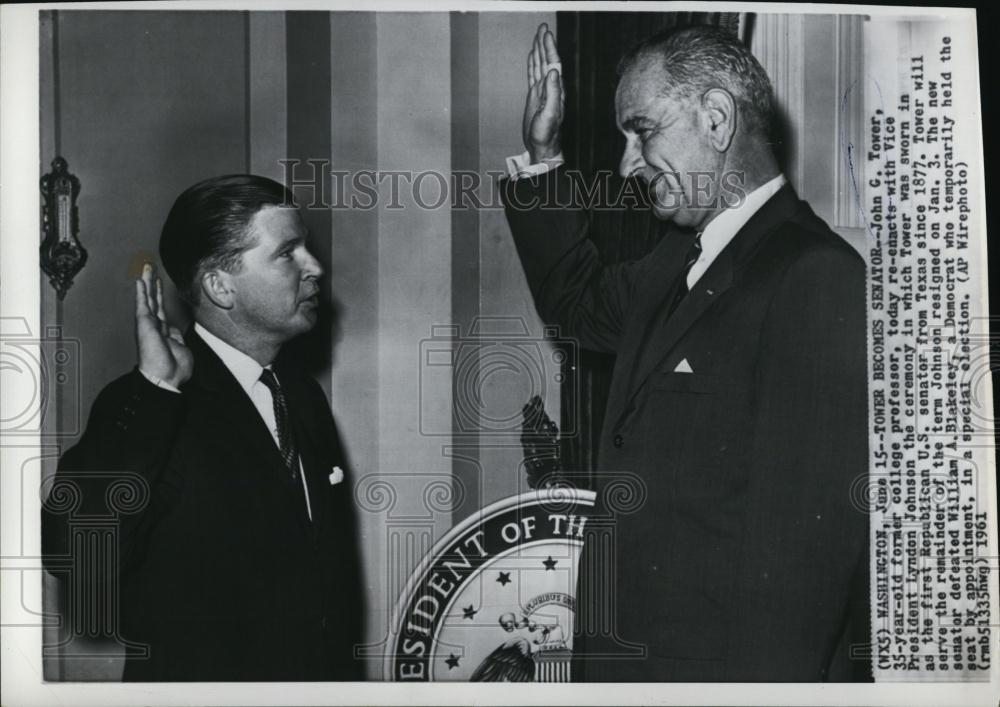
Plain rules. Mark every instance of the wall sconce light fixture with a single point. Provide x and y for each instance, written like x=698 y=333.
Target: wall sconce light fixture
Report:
x=62 y=254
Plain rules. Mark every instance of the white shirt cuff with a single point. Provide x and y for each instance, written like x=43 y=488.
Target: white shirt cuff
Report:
x=519 y=166
x=158 y=383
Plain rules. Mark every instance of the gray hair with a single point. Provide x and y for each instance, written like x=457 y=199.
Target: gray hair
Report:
x=697 y=59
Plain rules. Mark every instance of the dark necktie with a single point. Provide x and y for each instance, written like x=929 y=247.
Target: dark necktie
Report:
x=286 y=439
x=694 y=252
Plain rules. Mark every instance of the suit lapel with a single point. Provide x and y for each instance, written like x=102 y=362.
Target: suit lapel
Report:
x=666 y=261
x=647 y=353
x=710 y=286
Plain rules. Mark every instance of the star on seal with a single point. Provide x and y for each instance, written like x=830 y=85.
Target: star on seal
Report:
x=550 y=564
x=468 y=612
x=504 y=578
x=452 y=661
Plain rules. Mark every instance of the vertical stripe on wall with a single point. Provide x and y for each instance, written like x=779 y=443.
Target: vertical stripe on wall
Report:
x=246 y=91
x=51 y=302
x=50 y=145
x=308 y=123
x=818 y=127
x=56 y=139
x=355 y=283
x=48 y=72
x=267 y=94
x=504 y=299
x=465 y=244
x=414 y=281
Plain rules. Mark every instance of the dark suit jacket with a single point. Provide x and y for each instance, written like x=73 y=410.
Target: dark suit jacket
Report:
x=222 y=574
x=738 y=562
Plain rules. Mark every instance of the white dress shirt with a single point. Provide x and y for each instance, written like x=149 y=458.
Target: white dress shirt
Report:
x=247 y=372
x=724 y=227
x=521 y=166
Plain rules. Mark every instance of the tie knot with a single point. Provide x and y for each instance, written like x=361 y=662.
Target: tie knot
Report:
x=267 y=378
x=694 y=252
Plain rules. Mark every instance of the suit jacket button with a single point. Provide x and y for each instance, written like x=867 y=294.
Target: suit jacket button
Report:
x=618 y=441
x=323 y=623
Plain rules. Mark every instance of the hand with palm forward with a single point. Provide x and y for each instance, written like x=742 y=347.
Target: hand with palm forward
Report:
x=161 y=348
x=543 y=109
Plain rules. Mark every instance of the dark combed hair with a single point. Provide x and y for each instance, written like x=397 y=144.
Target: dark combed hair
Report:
x=208 y=227
x=699 y=58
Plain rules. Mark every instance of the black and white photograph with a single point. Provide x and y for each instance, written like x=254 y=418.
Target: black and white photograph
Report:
x=346 y=351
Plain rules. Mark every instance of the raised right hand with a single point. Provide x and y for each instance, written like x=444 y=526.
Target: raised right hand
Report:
x=161 y=348
x=543 y=109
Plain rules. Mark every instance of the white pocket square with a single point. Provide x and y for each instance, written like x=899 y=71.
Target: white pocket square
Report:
x=336 y=476
x=683 y=367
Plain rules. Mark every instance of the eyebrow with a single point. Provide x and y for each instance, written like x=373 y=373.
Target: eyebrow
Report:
x=292 y=240
x=635 y=122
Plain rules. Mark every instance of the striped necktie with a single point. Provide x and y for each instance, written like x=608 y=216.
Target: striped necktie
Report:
x=286 y=439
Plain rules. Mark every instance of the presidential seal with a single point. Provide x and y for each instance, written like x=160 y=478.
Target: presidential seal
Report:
x=494 y=600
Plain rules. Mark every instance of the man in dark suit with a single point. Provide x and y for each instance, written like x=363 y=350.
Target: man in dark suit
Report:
x=738 y=399
x=242 y=564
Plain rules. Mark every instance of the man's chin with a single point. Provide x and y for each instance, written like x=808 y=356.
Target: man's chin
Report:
x=684 y=217
x=679 y=215
x=664 y=214
x=309 y=319
x=667 y=205
x=302 y=322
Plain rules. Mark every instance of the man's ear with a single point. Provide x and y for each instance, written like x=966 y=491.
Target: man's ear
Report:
x=720 y=114
x=219 y=288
